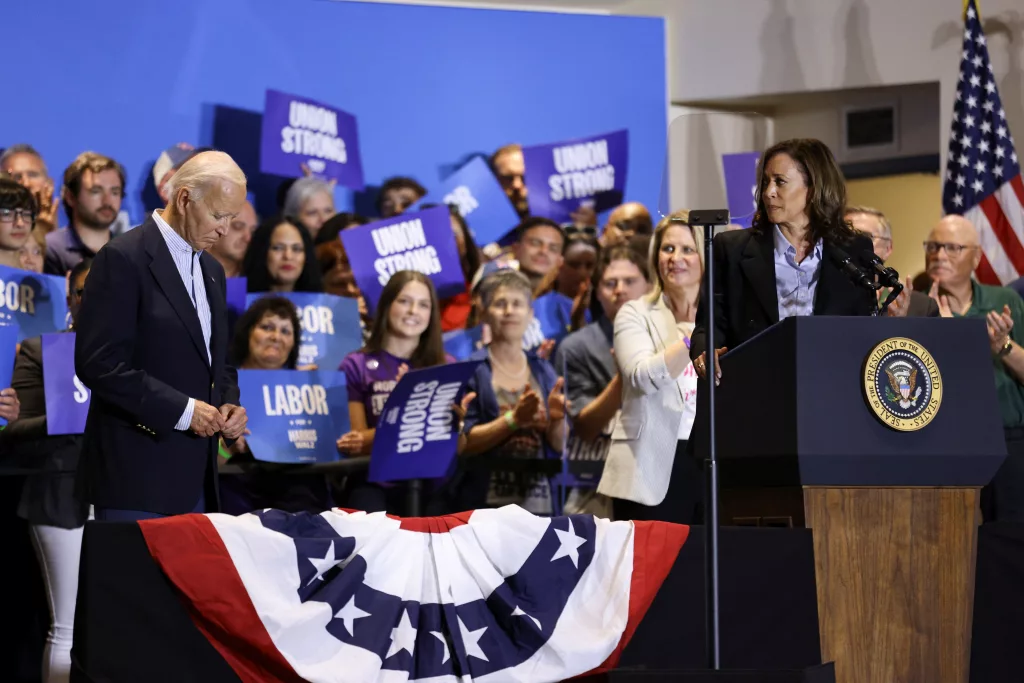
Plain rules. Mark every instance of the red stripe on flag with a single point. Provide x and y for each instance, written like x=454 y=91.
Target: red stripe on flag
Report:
x=985 y=273
x=1003 y=232
x=435 y=525
x=427 y=525
x=1018 y=188
x=215 y=597
x=655 y=548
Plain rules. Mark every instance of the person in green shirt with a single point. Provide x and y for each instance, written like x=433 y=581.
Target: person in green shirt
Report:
x=952 y=253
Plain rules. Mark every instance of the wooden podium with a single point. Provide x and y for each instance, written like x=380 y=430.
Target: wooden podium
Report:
x=894 y=512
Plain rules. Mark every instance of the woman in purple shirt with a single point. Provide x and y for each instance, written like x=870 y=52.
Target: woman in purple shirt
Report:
x=406 y=335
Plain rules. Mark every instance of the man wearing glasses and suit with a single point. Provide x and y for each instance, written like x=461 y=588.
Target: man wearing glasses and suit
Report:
x=875 y=225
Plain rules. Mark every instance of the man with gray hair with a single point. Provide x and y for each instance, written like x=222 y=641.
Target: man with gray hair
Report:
x=875 y=225
x=26 y=167
x=152 y=347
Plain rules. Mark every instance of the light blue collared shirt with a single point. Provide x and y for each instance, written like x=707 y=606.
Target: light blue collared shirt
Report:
x=795 y=283
x=186 y=260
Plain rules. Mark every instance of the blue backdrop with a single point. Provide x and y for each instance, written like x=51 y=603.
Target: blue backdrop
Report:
x=430 y=86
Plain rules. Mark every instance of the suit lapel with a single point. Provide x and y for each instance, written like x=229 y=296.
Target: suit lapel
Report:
x=830 y=281
x=663 y=328
x=169 y=280
x=758 y=264
x=218 y=308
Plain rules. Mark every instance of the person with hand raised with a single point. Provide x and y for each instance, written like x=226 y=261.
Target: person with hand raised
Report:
x=405 y=335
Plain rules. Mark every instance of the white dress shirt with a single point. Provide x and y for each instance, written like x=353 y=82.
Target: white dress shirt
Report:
x=186 y=260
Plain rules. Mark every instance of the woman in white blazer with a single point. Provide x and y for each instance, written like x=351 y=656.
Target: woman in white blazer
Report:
x=648 y=473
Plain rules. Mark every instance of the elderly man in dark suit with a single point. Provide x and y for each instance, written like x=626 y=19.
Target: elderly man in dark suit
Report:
x=152 y=339
x=875 y=225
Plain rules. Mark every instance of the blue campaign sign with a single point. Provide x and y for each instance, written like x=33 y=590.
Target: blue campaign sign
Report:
x=330 y=327
x=562 y=176
x=460 y=344
x=422 y=241
x=740 y=171
x=67 y=399
x=298 y=131
x=36 y=303
x=554 y=312
x=8 y=349
x=477 y=194
x=417 y=433
x=295 y=416
x=236 y=290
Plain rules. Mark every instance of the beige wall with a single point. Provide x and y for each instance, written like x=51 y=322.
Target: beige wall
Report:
x=731 y=49
x=908 y=201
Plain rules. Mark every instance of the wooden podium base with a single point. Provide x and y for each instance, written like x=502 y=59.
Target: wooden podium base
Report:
x=895 y=576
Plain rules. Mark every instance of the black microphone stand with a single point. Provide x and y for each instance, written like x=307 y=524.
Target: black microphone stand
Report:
x=709 y=220
x=883 y=276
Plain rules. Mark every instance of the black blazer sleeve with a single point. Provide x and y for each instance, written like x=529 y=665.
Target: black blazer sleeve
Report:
x=106 y=328
x=28 y=382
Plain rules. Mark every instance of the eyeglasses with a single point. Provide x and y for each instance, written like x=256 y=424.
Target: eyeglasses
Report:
x=573 y=229
x=951 y=248
x=12 y=215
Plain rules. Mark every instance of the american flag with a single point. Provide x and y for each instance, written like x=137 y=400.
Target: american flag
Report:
x=495 y=595
x=983 y=179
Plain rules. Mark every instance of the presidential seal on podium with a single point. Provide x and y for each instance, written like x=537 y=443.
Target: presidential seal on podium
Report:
x=902 y=384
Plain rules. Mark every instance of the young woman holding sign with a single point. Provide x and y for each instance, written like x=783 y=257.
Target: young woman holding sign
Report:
x=518 y=410
x=281 y=258
x=406 y=335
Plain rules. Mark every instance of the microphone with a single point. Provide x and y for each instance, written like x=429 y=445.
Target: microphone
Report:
x=886 y=275
x=858 y=276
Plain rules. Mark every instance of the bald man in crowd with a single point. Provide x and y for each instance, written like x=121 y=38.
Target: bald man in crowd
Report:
x=952 y=253
x=625 y=221
x=152 y=339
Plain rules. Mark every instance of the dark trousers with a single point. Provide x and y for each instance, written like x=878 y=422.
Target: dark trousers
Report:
x=684 y=502
x=1003 y=499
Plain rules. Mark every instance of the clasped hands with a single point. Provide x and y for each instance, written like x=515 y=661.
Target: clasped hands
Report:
x=528 y=412
x=229 y=420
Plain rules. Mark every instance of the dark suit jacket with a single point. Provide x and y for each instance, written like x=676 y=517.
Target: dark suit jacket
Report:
x=922 y=306
x=745 y=296
x=47 y=497
x=140 y=350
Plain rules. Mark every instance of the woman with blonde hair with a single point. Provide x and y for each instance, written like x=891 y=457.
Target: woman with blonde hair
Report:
x=648 y=473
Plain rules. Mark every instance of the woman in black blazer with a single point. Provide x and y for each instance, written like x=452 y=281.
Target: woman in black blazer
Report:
x=48 y=502
x=786 y=264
